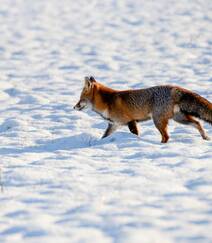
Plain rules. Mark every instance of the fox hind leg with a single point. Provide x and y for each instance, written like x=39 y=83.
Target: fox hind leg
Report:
x=189 y=120
x=161 y=123
x=132 y=125
x=110 y=129
x=197 y=125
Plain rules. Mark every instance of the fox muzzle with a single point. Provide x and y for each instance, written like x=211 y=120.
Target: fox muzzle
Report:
x=80 y=105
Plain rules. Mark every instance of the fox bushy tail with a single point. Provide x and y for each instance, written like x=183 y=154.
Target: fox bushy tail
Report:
x=195 y=105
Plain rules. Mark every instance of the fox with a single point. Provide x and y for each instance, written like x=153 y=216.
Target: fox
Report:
x=160 y=103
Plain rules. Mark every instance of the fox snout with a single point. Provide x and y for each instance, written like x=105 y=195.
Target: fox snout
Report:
x=80 y=105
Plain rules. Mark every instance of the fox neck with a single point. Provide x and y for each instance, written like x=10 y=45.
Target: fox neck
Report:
x=102 y=96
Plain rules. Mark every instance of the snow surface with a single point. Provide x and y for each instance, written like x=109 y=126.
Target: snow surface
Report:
x=59 y=182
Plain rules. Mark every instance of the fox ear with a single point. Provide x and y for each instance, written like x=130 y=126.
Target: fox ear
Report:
x=92 y=79
x=88 y=82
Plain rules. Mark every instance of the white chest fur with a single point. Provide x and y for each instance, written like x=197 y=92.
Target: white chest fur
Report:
x=105 y=114
x=176 y=108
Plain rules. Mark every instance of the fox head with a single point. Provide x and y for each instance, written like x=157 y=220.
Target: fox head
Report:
x=86 y=94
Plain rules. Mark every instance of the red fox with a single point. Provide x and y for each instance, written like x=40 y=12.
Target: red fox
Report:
x=160 y=103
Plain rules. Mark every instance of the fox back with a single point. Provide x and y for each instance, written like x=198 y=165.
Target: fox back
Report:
x=161 y=103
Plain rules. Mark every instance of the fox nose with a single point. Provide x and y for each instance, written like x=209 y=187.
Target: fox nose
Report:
x=77 y=106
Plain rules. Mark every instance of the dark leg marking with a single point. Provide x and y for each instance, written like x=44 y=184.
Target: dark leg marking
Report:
x=132 y=125
x=110 y=129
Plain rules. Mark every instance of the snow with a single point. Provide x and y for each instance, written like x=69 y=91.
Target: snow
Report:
x=58 y=181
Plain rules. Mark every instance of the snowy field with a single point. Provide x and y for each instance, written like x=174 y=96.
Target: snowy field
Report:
x=59 y=183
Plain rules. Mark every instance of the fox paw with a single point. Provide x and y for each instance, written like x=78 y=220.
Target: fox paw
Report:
x=206 y=138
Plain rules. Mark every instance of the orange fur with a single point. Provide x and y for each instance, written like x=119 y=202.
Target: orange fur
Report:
x=160 y=103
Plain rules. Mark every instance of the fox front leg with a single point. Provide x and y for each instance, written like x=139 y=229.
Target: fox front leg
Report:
x=132 y=125
x=110 y=129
